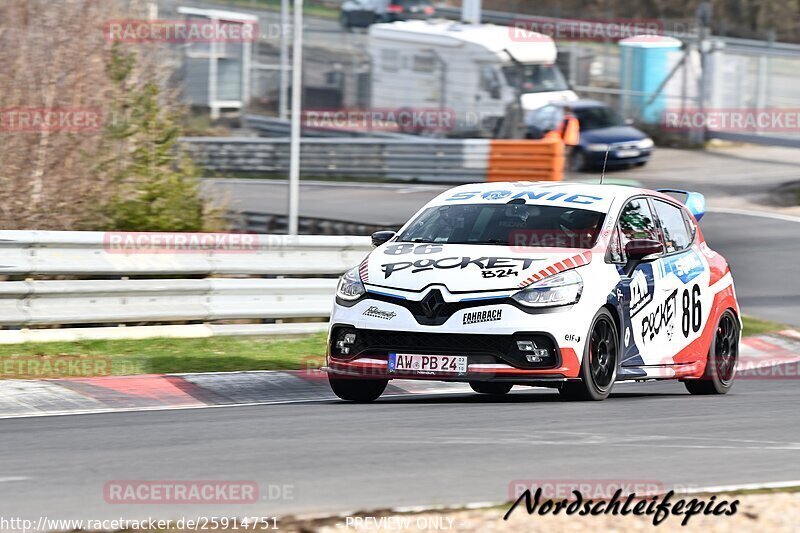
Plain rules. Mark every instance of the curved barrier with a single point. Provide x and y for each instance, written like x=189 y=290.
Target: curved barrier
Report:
x=417 y=159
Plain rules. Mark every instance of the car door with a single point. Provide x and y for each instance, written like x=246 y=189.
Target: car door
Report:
x=682 y=273
x=650 y=319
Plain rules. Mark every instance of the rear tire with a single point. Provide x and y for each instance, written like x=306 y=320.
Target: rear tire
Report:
x=344 y=20
x=487 y=387
x=357 y=390
x=723 y=354
x=599 y=364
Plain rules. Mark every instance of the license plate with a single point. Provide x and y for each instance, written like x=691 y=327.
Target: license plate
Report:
x=628 y=153
x=427 y=364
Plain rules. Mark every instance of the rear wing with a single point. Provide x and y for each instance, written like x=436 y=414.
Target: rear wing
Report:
x=695 y=202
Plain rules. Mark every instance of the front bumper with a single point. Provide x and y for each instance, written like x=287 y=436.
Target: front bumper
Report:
x=489 y=357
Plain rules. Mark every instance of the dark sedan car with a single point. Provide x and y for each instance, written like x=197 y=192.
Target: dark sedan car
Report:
x=601 y=130
x=363 y=13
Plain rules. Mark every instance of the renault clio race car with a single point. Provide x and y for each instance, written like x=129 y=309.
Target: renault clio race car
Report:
x=564 y=285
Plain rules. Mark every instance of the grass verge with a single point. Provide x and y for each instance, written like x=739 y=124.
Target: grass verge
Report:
x=755 y=326
x=164 y=355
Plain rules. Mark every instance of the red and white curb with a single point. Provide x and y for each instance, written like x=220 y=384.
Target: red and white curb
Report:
x=761 y=357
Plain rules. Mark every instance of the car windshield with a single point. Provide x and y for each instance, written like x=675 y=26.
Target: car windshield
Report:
x=535 y=78
x=593 y=118
x=506 y=224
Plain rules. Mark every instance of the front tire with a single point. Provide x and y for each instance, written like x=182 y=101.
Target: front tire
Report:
x=357 y=390
x=577 y=160
x=487 y=387
x=599 y=363
x=723 y=354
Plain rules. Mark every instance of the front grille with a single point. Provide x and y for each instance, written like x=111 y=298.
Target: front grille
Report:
x=443 y=313
x=485 y=349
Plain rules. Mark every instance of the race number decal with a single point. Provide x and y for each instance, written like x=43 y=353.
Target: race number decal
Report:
x=692 y=316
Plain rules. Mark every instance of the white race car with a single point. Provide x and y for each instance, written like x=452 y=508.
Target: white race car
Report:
x=563 y=285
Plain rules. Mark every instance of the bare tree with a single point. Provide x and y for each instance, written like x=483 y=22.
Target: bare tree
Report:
x=55 y=56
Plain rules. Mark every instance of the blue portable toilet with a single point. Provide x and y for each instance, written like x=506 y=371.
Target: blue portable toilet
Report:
x=645 y=62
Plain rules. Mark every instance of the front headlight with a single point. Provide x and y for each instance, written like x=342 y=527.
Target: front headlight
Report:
x=646 y=143
x=350 y=287
x=561 y=289
x=597 y=147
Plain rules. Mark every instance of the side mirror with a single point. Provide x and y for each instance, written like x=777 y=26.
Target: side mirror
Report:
x=380 y=237
x=640 y=249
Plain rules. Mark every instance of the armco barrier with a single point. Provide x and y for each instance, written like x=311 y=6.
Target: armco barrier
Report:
x=417 y=159
x=287 y=281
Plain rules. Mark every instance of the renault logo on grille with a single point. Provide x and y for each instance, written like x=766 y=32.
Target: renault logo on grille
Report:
x=432 y=303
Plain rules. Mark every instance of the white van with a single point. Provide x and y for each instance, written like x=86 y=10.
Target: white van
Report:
x=476 y=71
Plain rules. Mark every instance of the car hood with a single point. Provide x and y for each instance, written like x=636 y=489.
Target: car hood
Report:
x=613 y=134
x=465 y=268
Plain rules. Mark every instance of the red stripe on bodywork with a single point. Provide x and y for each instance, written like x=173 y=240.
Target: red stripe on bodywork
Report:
x=697 y=350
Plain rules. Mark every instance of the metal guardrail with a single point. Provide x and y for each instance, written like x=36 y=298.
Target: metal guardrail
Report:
x=417 y=159
x=93 y=254
x=754 y=138
x=260 y=290
x=257 y=222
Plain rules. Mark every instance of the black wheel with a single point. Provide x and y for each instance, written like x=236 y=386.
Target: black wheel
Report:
x=599 y=363
x=486 y=387
x=344 y=20
x=357 y=390
x=723 y=354
x=577 y=160
x=640 y=164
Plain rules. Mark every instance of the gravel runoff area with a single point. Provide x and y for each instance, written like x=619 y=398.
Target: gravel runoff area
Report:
x=758 y=512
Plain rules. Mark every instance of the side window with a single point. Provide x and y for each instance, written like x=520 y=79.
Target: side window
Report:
x=615 y=252
x=424 y=63
x=490 y=82
x=676 y=234
x=637 y=222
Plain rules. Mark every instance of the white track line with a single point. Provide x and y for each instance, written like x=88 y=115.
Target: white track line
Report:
x=753 y=213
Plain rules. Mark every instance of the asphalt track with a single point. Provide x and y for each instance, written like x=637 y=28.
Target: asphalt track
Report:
x=426 y=450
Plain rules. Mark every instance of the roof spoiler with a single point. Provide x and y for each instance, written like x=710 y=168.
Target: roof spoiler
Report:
x=694 y=201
